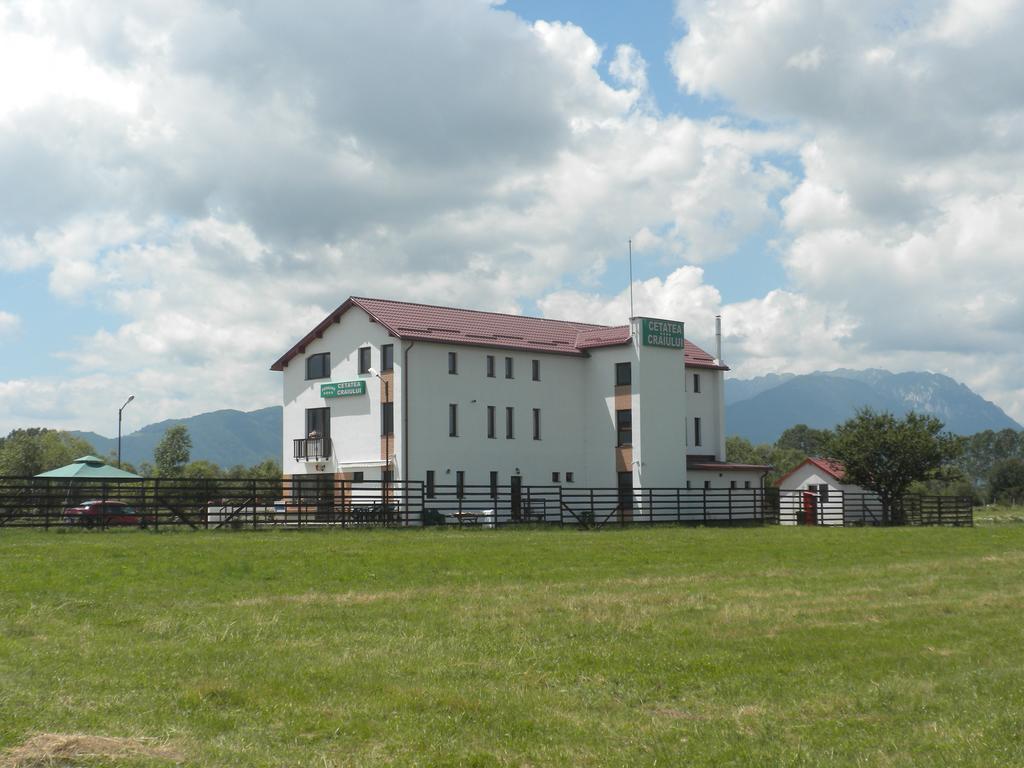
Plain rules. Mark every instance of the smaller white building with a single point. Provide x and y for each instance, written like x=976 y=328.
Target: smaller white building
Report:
x=815 y=492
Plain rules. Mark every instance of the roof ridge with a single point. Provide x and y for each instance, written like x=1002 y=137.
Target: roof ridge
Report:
x=485 y=312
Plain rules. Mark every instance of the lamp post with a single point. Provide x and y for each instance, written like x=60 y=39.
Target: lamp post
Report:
x=119 y=411
x=386 y=428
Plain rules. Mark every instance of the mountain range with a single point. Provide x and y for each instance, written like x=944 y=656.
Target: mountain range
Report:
x=224 y=437
x=761 y=409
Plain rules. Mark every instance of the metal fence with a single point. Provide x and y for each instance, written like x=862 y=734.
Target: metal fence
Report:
x=316 y=501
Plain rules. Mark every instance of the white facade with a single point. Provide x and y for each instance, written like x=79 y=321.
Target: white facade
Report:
x=575 y=400
x=812 y=492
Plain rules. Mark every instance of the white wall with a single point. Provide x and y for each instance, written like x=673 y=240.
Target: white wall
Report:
x=598 y=400
x=355 y=420
x=659 y=415
x=709 y=406
x=432 y=389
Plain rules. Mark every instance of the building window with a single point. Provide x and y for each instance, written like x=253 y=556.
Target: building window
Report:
x=364 y=359
x=732 y=484
x=823 y=492
x=318 y=424
x=536 y=423
x=696 y=383
x=387 y=419
x=625 y=490
x=387 y=357
x=460 y=483
x=536 y=370
x=510 y=428
x=623 y=374
x=746 y=483
x=624 y=426
x=318 y=366
x=568 y=477
x=453 y=420
x=453 y=362
x=490 y=366
x=508 y=368
x=696 y=432
x=494 y=485
x=357 y=477
x=490 y=421
x=707 y=483
x=688 y=485
x=430 y=484
x=554 y=477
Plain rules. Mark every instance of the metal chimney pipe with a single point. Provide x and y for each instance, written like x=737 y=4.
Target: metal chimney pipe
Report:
x=718 y=338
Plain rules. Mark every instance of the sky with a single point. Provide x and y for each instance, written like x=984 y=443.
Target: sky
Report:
x=187 y=188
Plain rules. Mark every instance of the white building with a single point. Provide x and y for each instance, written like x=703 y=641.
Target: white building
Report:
x=815 y=492
x=452 y=396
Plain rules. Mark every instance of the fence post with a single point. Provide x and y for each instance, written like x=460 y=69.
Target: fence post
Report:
x=679 y=511
x=729 y=502
x=704 y=503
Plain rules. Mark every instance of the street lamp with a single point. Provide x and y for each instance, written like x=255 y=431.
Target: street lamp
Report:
x=386 y=428
x=119 y=410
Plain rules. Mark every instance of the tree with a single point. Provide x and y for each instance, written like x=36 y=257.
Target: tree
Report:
x=1006 y=482
x=885 y=454
x=806 y=440
x=172 y=452
x=201 y=470
x=27 y=452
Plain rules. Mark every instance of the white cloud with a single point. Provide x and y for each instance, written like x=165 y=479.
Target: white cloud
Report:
x=9 y=323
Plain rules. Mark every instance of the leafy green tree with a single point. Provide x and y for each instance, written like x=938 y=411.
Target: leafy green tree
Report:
x=26 y=452
x=806 y=440
x=886 y=455
x=172 y=452
x=1006 y=482
x=201 y=468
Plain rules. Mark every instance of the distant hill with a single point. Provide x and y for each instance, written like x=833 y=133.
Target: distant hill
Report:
x=761 y=409
x=224 y=437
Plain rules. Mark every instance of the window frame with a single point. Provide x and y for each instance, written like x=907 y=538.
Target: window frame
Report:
x=453 y=363
x=626 y=366
x=620 y=430
x=387 y=357
x=535 y=370
x=696 y=383
x=453 y=419
x=364 y=365
x=490 y=367
x=697 y=436
x=536 y=423
x=492 y=422
x=510 y=423
x=325 y=357
x=510 y=369
x=387 y=419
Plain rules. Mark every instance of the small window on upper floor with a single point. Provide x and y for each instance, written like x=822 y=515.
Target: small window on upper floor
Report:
x=490 y=366
x=508 y=368
x=696 y=383
x=623 y=374
x=387 y=357
x=364 y=359
x=536 y=370
x=318 y=366
x=555 y=477
x=569 y=477
x=453 y=362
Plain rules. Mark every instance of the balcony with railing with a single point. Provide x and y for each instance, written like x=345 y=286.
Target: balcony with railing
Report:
x=311 y=448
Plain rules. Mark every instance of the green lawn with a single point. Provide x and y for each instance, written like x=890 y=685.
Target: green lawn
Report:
x=641 y=647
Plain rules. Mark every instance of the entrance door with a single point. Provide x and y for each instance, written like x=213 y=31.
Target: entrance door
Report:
x=516 y=498
x=810 y=516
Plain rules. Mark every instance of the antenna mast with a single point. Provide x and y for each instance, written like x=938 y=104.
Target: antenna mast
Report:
x=630 y=278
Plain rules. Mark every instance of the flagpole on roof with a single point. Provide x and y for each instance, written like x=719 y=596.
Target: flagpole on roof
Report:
x=630 y=241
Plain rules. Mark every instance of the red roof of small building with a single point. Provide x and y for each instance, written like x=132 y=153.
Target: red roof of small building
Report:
x=425 y=322
x=831 y=466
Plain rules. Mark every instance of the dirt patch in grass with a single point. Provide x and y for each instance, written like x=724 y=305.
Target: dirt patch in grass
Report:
x=70 y=749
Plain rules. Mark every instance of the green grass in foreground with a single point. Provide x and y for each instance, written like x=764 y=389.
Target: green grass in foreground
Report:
x=759 y=647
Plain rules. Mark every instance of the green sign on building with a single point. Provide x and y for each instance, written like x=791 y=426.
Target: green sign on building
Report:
x=661 y=333
x=343 y=388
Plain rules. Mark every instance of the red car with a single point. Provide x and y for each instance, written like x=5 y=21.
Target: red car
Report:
x=104 y=513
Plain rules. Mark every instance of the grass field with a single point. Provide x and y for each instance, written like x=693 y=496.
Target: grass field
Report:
x=755 y=647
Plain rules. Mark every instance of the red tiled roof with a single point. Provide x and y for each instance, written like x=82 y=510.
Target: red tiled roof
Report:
x=831 y=466
x=425 y=322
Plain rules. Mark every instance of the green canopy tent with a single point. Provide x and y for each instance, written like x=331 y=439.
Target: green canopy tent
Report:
x=87 y=474
x=89 y=468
